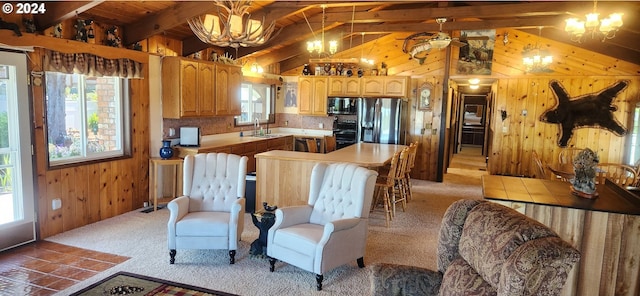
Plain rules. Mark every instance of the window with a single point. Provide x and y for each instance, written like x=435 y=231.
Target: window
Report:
x=86 y=118
x=257 y=101
x=634 y=146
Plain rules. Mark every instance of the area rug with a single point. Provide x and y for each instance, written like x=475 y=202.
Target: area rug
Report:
x=125 y=283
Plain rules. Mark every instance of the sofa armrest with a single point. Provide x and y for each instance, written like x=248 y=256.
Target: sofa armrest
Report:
x=392 y=279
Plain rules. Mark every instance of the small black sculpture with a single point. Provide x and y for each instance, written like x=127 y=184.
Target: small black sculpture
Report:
x=112 y=37
x=267 y=219
x=29 y=25
x=591 y=110
x=10 y=26
x=269 y=208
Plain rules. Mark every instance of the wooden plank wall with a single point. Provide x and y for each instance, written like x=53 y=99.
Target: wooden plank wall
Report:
x=517 y=136
x=96 y=191
x=608 y=243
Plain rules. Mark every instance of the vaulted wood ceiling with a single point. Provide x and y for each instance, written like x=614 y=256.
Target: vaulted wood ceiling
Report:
x=142 y=19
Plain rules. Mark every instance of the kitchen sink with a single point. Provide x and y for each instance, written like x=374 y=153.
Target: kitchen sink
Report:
x=268 y=136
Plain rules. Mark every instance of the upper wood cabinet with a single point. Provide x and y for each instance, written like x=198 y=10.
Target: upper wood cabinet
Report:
x=229 y=83
x=312 y=95
x=344 y=86
x=192 y=88
x=385 y=86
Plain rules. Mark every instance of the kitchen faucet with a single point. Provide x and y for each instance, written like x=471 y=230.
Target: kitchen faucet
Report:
x=256 y=125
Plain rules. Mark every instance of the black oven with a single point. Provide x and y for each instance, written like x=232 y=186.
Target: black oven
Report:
x=346 y=132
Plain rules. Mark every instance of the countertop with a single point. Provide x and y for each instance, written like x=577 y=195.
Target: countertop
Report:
x=612 y=198
x=230 y=139
x=364 y=154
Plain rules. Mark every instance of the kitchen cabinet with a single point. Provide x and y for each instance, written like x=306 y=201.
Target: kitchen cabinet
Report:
x=192 y=88
x=228 y=84
x=344 y=86
x=385 y=86
x=312 y=95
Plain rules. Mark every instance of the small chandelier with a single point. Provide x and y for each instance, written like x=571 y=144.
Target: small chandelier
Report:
x=232 y=26
x=593 y=26
x=535 y=59
x=317 y=46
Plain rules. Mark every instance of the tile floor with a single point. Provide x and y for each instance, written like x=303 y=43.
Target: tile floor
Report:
x=44 y=268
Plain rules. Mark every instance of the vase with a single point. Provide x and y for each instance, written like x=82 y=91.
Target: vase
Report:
x=166 y=151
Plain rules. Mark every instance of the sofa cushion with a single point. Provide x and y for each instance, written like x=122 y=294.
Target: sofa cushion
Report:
x=555 y=257
x=450 y=231
x=461 y=279
x=492 y=233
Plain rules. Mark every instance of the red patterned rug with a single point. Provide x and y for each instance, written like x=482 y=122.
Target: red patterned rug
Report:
x=125 y=283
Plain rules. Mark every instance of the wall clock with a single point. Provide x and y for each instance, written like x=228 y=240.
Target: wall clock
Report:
x=425 y=95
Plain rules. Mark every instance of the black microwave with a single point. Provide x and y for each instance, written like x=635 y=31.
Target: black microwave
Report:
x=337 y=105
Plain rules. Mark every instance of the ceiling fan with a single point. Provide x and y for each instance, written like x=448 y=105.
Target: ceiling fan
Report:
x=419 y=44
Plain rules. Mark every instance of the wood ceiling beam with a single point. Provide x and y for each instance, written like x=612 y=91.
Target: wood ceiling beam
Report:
x=461 y=25
x=476 y=11
x=164 y=20
x=60 y=11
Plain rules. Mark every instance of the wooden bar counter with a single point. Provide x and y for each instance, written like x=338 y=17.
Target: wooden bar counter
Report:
x=282 y=177
x=606 y=230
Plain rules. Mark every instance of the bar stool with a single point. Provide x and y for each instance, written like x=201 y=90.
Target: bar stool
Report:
x=329 y=144
x=385 y=188
x=312 y=145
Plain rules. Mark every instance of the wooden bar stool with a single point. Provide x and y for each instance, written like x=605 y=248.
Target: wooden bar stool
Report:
x=312 y=145
x=385 y=188
x=329 y=144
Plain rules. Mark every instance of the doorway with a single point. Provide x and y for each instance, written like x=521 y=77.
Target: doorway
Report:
x=17 y=199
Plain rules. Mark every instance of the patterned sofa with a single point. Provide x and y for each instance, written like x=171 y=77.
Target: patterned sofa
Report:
x=485 y=249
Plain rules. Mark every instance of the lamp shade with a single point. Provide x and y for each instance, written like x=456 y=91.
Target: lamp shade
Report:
x=211 y=24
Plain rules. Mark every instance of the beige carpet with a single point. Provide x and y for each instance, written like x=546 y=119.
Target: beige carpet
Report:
x=410 y=240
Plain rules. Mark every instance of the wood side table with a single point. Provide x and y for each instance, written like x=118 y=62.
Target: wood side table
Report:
x=155 y=165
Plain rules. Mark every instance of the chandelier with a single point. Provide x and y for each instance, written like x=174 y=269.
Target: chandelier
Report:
x=593 y=26
x=535 y=59
x=232 y=26
x=317 y=46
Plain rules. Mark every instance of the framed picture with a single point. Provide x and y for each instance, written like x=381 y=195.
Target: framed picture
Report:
x=424 y=96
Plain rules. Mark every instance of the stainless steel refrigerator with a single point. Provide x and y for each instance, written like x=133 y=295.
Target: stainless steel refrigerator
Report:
x=380 y=120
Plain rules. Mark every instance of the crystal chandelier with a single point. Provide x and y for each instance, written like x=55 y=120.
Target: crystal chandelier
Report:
x=535 y=59
x=317 y=46
x=232 y=26
x=593 y=26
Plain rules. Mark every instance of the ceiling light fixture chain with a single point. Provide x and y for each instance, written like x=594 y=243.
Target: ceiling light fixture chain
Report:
x=318 y=46
x=232 y=26
x=593 y=26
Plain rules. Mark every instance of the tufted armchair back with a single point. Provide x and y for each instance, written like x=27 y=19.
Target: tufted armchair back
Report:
x=336 y=193
x=213 y=181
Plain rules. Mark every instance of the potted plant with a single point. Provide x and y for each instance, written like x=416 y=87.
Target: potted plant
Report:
x=93 y=123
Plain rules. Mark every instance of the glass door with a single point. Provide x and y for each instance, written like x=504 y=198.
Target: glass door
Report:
x=17 y=201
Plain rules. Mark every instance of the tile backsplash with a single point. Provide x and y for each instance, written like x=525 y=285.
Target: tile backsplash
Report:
x=224 y=124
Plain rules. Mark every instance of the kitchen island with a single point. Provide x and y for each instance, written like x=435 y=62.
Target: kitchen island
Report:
x=282 y=177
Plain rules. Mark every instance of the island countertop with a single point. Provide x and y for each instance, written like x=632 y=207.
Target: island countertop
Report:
x=368 y=155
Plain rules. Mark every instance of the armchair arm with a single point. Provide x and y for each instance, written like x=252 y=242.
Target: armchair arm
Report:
x=341 y=224
x=236 y=222
x=392 y=279
x=288 y=216
x=178 y=208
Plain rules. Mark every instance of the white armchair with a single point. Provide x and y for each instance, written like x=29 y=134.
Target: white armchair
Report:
x=332 y=229
x=209 y=214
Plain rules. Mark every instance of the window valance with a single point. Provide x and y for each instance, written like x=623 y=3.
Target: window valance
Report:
x=91 y=65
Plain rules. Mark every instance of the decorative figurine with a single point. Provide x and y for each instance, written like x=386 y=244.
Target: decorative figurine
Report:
x=266 y=220
x=10 y=26
x=29 y=25
x=112 y=37
x=306 y=70
x=584 y=166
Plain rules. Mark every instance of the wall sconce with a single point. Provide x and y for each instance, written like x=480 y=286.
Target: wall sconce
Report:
x=503 y=114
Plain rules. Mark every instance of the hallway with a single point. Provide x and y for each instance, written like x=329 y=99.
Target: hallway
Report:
x=468 y=163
